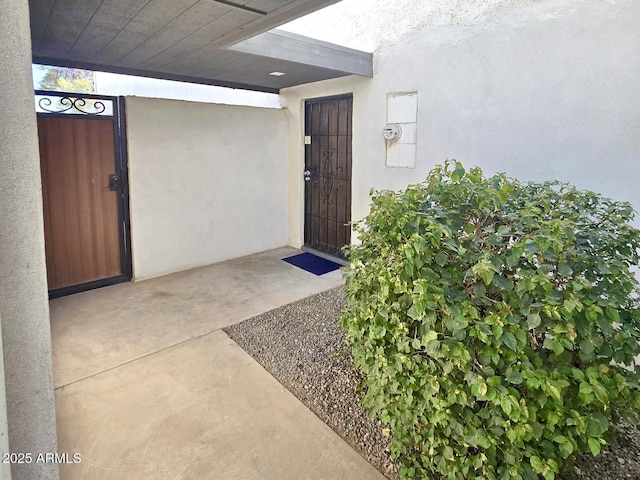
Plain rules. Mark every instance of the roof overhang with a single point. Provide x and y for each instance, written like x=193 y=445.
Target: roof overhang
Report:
x=214 y=42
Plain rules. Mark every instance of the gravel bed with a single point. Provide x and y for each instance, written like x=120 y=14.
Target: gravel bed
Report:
x=620 y=460
x=303 y=347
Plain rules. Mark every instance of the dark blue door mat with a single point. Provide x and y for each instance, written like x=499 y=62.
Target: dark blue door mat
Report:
x=313 y=264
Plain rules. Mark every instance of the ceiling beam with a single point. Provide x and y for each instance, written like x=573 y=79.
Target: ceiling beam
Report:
x=241 y=7
x=282 y=45
x=281 y=15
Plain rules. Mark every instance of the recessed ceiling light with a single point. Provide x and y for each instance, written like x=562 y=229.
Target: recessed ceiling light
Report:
x=277 y=74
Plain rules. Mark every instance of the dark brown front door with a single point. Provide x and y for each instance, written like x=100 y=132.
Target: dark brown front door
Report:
x=328 y=174
x=85 y=242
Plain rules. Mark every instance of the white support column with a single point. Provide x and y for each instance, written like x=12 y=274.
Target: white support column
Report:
x=24 y=308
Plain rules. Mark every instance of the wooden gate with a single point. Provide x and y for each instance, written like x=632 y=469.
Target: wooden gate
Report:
x=328 y=174
x=85 y=194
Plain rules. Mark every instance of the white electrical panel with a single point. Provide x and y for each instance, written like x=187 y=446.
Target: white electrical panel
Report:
x=400 y=133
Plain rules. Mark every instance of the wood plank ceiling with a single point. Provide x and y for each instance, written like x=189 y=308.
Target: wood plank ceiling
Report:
x=173 y=39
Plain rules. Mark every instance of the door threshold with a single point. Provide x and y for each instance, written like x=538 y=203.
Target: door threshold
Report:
x=85 y=287
x=326 y=256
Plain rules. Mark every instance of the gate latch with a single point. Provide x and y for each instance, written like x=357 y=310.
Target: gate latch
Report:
x=114 y=182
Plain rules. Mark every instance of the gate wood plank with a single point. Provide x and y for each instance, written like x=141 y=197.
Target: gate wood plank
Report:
x=80 y=212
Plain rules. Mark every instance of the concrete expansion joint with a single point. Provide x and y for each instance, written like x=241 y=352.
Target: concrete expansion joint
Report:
x=133 y=360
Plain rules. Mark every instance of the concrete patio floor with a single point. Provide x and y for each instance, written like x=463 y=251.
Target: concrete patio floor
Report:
x=148 y=386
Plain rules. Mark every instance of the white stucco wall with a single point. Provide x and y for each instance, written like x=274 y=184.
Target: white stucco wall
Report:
x=207 y=183
x=544 y=89
x=371 y=25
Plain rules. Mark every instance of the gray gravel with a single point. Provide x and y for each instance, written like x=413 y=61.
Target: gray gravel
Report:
x=620 y=460
x=303 y=347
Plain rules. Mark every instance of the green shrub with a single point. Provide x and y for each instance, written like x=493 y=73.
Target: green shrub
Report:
x=496 y=323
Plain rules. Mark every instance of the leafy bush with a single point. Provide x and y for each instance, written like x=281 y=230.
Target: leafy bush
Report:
x=496 y=323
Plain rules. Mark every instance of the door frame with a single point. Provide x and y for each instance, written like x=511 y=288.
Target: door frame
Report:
x=305 y=101
x=121 y=169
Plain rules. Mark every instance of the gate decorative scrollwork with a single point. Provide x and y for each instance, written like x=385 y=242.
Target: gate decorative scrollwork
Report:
x=67 y=104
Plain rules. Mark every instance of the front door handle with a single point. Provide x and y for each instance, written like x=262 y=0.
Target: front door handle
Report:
x=307 y=175
x=114 y=182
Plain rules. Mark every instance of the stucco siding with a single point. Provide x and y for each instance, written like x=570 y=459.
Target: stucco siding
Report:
x=207 y=183
x=24 y=307
x=540 y=90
